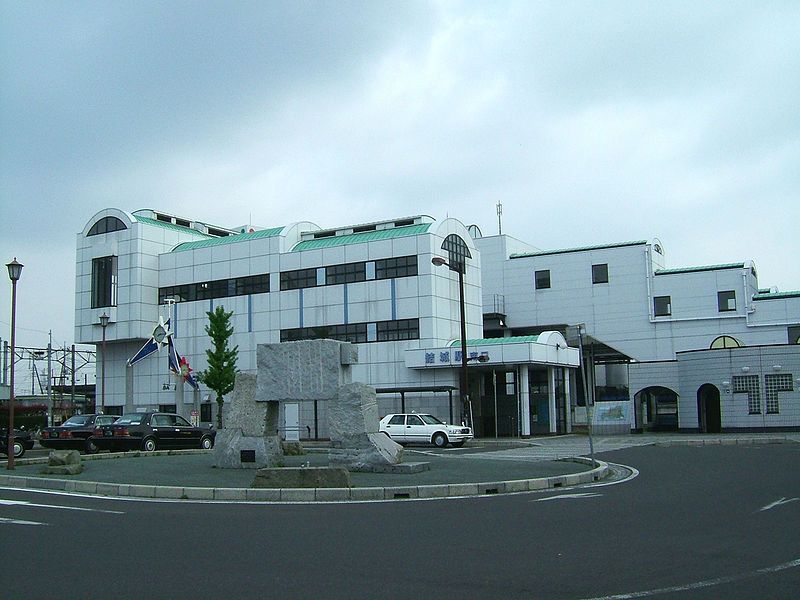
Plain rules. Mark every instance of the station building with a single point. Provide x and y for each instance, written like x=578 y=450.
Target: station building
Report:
x=373 y=284
x=692 y=349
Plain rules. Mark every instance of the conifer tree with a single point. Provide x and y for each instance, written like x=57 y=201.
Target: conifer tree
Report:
x=220 y=375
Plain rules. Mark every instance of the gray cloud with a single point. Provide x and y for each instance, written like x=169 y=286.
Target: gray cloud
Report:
x=591 y=122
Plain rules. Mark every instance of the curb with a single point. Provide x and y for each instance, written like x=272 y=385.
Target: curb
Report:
x=296 y=495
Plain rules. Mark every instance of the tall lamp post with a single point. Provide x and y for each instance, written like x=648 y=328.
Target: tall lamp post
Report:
x=459 y=267
x=14 y=272
x=103 y=323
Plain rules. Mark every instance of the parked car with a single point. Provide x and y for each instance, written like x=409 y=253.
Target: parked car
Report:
x=74 y=433
x=23 y=440
x=418 y=428
x=152 y=431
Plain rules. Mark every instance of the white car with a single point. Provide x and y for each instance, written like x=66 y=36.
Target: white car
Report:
x=409 y=428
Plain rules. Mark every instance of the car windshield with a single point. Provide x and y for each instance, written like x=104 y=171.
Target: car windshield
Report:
x=430 y=420
x=76 y=420
x=132 y=419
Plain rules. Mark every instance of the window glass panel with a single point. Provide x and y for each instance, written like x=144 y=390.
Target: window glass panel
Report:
x=302 y=278
x=748 y=384
x=391 y=268
x=347 y=273
x=542 y=279
x=397 y=420
x=104 y=281
x=774 y=383
x=662 y=306
x=600 y=273
x=403 y=329
x=726 y=301
x=106 y=225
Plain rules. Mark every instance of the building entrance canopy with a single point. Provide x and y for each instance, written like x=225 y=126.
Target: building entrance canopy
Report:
x=546 y=348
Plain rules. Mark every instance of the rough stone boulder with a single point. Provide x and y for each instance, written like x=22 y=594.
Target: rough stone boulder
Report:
x=63 y=462
x=356 y=442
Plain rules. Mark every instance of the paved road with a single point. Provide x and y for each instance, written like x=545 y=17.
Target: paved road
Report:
x=698 y=522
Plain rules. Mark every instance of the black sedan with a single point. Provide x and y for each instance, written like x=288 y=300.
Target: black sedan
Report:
x=152 y=431
x=23 y=441
x=75 y=432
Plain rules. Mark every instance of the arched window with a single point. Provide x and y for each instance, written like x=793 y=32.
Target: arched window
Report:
x=457 y=252
x=106 y=225
x=725 y=341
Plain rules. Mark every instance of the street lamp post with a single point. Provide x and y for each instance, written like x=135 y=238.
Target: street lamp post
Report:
x=459 y=268
x=103 y=323
x=14 y=272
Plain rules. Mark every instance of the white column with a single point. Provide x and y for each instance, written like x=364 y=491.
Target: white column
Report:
x=568 y=398
x=525 y=400
x=551 y=396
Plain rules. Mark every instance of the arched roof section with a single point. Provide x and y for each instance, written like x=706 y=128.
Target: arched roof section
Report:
x=451 y=226
x=121 y=216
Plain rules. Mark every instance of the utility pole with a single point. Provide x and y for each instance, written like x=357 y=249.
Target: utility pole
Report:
x=50 y=381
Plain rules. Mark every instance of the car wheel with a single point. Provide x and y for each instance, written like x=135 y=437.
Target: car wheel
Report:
x=457 y=444
x=439 y=440
x=149 y=444
x=90 y=447
x=206 y=443
x=19 y=449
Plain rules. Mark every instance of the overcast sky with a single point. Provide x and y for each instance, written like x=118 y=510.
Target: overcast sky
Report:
x=592 y=122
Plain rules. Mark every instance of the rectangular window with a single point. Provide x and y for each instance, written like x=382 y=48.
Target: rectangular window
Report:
x=104 y=281
x=205 y=412
x=347 y=273
x=782 y=382
x=662 y=306
x=351 y=332
x=302 y=278
x=726 y=301
x=391 y=268
x=403 y=329
x=254 y=284
x=748 y=384
x=542 y=279
x=794 y=334
x=600 y=273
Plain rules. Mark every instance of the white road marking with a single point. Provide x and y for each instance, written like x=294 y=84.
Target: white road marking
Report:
x=568 y=497
x=702 y=584
x=780 y=502
x=19 y=522
x=34 y=505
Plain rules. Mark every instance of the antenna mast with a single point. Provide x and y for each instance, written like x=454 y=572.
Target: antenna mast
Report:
x=500 y=218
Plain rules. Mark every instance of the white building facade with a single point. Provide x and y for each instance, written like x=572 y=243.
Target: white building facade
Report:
x=371 y=284
x=691 y=349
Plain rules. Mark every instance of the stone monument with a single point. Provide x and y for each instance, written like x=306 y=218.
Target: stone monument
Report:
x=304 y=371
x=250 y=439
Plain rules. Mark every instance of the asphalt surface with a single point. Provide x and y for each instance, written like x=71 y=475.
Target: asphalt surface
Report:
x=717 y=521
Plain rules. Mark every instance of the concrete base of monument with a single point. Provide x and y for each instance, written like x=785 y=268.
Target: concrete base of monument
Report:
x=302 y=477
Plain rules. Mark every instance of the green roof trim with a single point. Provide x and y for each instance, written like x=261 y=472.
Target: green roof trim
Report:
x=229 y=239
x=362 y=237
x=172 y=226
x=518 y=339
x=699 y=269
x=776 y=295
x=580 y=249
